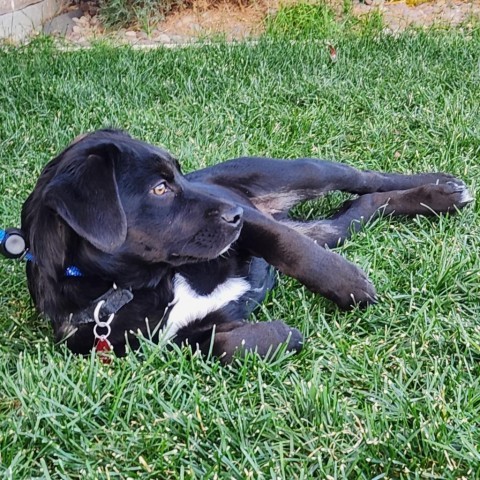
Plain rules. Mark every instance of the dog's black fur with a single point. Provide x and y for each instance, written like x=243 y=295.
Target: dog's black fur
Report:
x=195 y=250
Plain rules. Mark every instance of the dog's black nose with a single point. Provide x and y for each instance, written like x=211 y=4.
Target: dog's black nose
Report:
x=232 y=215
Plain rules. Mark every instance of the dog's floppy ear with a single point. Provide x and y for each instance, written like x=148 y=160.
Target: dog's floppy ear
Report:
x=85 y=195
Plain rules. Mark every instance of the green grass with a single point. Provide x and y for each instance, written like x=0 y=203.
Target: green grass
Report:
x=390 y=392
x=127 y=13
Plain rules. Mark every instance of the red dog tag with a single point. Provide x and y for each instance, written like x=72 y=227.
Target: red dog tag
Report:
x=103 y=347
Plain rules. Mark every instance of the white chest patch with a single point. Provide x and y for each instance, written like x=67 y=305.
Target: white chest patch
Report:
x=188 y=306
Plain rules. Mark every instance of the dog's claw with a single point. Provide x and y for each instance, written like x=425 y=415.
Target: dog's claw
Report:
x=362 y=296
x=448 y=196
x=464 y=196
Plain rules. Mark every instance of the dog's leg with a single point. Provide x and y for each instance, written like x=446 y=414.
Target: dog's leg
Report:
x=298 y=256
x=424 y=200
x=264 y=338
x=275 y=186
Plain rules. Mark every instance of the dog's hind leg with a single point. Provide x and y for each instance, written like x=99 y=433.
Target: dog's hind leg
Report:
x=274 y=186
x=424 y=200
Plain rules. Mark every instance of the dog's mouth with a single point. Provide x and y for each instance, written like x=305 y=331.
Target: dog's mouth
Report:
x=180 y=258
x=225 y=250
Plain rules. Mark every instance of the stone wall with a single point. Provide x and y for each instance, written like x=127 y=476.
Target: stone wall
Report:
x=20 y=18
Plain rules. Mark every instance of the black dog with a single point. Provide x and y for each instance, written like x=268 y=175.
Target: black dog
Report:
x=189 y=256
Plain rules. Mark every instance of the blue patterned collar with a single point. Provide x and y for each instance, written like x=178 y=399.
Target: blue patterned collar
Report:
x=13 y=245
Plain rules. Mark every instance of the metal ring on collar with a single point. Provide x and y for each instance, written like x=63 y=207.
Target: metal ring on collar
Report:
x=96 y=312
x=105 y=335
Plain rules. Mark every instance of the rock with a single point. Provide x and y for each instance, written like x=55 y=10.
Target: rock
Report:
x=84 y=21
x=163 y=38
x=180 y=39
x=375 y=3
x=62 y=24
x=146 y=42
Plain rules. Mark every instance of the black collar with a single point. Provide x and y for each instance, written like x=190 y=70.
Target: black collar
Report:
x=114 y=299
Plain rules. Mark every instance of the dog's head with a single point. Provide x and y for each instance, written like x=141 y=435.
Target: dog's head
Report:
x=123 y=198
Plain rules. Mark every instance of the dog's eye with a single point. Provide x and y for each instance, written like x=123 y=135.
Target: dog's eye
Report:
x=160 y=189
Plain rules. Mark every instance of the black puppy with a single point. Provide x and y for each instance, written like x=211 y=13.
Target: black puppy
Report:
x=189 y=256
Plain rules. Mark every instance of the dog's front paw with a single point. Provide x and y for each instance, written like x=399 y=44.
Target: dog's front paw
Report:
x=264 y=338
x=352 y=288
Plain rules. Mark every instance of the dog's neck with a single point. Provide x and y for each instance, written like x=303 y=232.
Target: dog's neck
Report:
x=64 y=295
x=124 y=270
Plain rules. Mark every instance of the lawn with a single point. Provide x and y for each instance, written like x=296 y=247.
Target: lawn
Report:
x=389 y=392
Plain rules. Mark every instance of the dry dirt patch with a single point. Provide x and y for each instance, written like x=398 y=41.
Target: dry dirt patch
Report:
x=399 y=15
x=233 y=21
